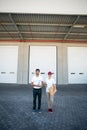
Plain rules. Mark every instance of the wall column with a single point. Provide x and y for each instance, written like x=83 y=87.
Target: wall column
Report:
x=62 y=65
x=23 y=59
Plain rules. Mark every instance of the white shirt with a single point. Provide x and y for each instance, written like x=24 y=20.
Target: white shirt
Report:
x=49 y=83
x=37 y=81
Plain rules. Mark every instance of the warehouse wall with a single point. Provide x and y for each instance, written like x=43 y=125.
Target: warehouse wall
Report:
x=23 y=59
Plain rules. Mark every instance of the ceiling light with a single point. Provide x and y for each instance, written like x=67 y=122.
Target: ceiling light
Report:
x=78 y=26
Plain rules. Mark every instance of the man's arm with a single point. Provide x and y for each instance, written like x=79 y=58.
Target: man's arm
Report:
x=32 y=83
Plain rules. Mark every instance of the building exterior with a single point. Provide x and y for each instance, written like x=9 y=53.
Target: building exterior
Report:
x=70 y=65
x=51 y=37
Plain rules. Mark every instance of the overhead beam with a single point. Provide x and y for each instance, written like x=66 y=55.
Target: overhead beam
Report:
x=44 y=38
x=56 y=38
x=40 y=24
x=71 y=27
x=10 y=16
x=43 y=24
x=25 y=32
x=35 y=24
x=6 y=31
x=6 y=38
x=34 y=32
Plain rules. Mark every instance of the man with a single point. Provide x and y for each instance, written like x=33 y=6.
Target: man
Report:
x=37 y=83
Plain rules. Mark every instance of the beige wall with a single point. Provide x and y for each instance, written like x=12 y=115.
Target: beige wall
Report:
x=23 y=59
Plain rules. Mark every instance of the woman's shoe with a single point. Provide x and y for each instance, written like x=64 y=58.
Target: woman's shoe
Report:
x=50 y=110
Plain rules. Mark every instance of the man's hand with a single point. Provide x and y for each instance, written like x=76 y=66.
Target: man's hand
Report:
x=37 y=85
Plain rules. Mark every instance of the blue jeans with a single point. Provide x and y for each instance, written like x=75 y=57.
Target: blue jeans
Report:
x=37 y=93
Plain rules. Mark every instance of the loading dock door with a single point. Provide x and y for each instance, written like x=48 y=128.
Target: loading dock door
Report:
x=44 y=58
x=8 y=64
x=77 y=65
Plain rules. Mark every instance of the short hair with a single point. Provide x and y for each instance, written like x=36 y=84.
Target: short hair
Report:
x=37 y=70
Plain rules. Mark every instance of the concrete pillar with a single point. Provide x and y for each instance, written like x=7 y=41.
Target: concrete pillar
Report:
x=62 y=65
x=59 y=60
x=65 y=65
x=23 y=59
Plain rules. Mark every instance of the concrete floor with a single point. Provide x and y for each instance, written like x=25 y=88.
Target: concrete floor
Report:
x=70 y=109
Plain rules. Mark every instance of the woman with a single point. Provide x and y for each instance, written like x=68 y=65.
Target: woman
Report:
x=50 y=82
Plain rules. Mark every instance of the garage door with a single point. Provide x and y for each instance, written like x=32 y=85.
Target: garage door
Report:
x=8 y=64
x=77 y=64
x=44 y=58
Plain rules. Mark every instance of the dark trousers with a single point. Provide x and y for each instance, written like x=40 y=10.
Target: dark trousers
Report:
x=37 y=93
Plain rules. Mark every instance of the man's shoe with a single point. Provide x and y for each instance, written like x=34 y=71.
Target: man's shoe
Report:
x=39 y=111
x=34 y=110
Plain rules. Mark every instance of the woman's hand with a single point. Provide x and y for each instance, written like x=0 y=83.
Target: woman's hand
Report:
x=45 y=84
